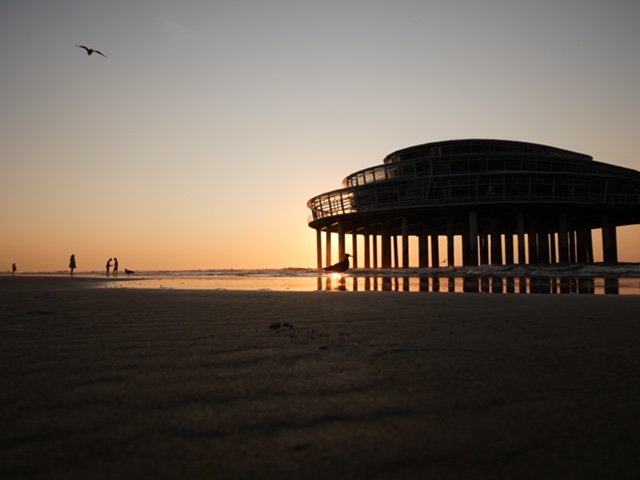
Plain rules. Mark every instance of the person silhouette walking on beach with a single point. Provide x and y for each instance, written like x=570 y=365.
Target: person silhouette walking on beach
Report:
x=72 y=263
x=108 y=266
x=13 y=269
x=115 y=266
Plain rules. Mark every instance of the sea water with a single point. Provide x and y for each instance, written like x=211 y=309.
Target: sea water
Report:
x=623 y=279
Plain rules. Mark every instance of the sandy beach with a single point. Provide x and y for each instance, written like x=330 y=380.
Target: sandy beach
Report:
x=106 y=383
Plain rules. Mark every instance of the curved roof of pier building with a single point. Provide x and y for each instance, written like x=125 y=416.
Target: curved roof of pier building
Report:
x=436 y=181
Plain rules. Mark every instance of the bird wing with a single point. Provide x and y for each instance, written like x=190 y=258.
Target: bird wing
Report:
x=82 y=46
x=97 y=51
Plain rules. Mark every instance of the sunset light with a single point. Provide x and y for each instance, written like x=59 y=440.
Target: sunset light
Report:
x=199 y=139
x=319 y=239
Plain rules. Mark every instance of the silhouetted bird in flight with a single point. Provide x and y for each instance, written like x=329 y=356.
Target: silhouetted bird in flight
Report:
x=339 y=267
x=91 y=50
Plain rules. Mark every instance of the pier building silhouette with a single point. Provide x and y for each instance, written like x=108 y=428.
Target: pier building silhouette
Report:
x=509 y=202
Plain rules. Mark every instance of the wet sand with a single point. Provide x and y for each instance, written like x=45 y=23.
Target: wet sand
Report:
x=136 y=383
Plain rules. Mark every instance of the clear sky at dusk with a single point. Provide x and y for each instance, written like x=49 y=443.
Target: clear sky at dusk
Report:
x=198 y=141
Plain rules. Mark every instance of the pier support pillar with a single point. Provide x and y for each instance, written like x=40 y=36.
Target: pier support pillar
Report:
x=327 y=242
x=450 y=243
x=435 y=251
x=341 y=241
x=609 y=240
x=543 y=245
x=572 y=246
x=552 y=248
x=521 y=240
x=374 y=239
x=367 y=249
x=589 y=245
x=483 y=239
x=423 y=249
x=396 y=263
x=405 y=242
x=470 y=241
x=508 y=248
x=354 y=248
x=319 y=248
x=579 y=246
x=533 y=243
x=386 y=246
x=585 y=245
x=563 y=245
x=496 y=243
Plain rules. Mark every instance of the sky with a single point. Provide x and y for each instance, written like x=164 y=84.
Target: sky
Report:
x=198 y=141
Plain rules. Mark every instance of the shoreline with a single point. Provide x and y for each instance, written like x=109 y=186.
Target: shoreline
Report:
x=355 y=281
x=119 y=382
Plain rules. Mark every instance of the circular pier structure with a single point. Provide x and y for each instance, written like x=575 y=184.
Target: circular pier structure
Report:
x=507 y=202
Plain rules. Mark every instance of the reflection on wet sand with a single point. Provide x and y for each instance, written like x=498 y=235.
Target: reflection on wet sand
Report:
x=472 y=284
